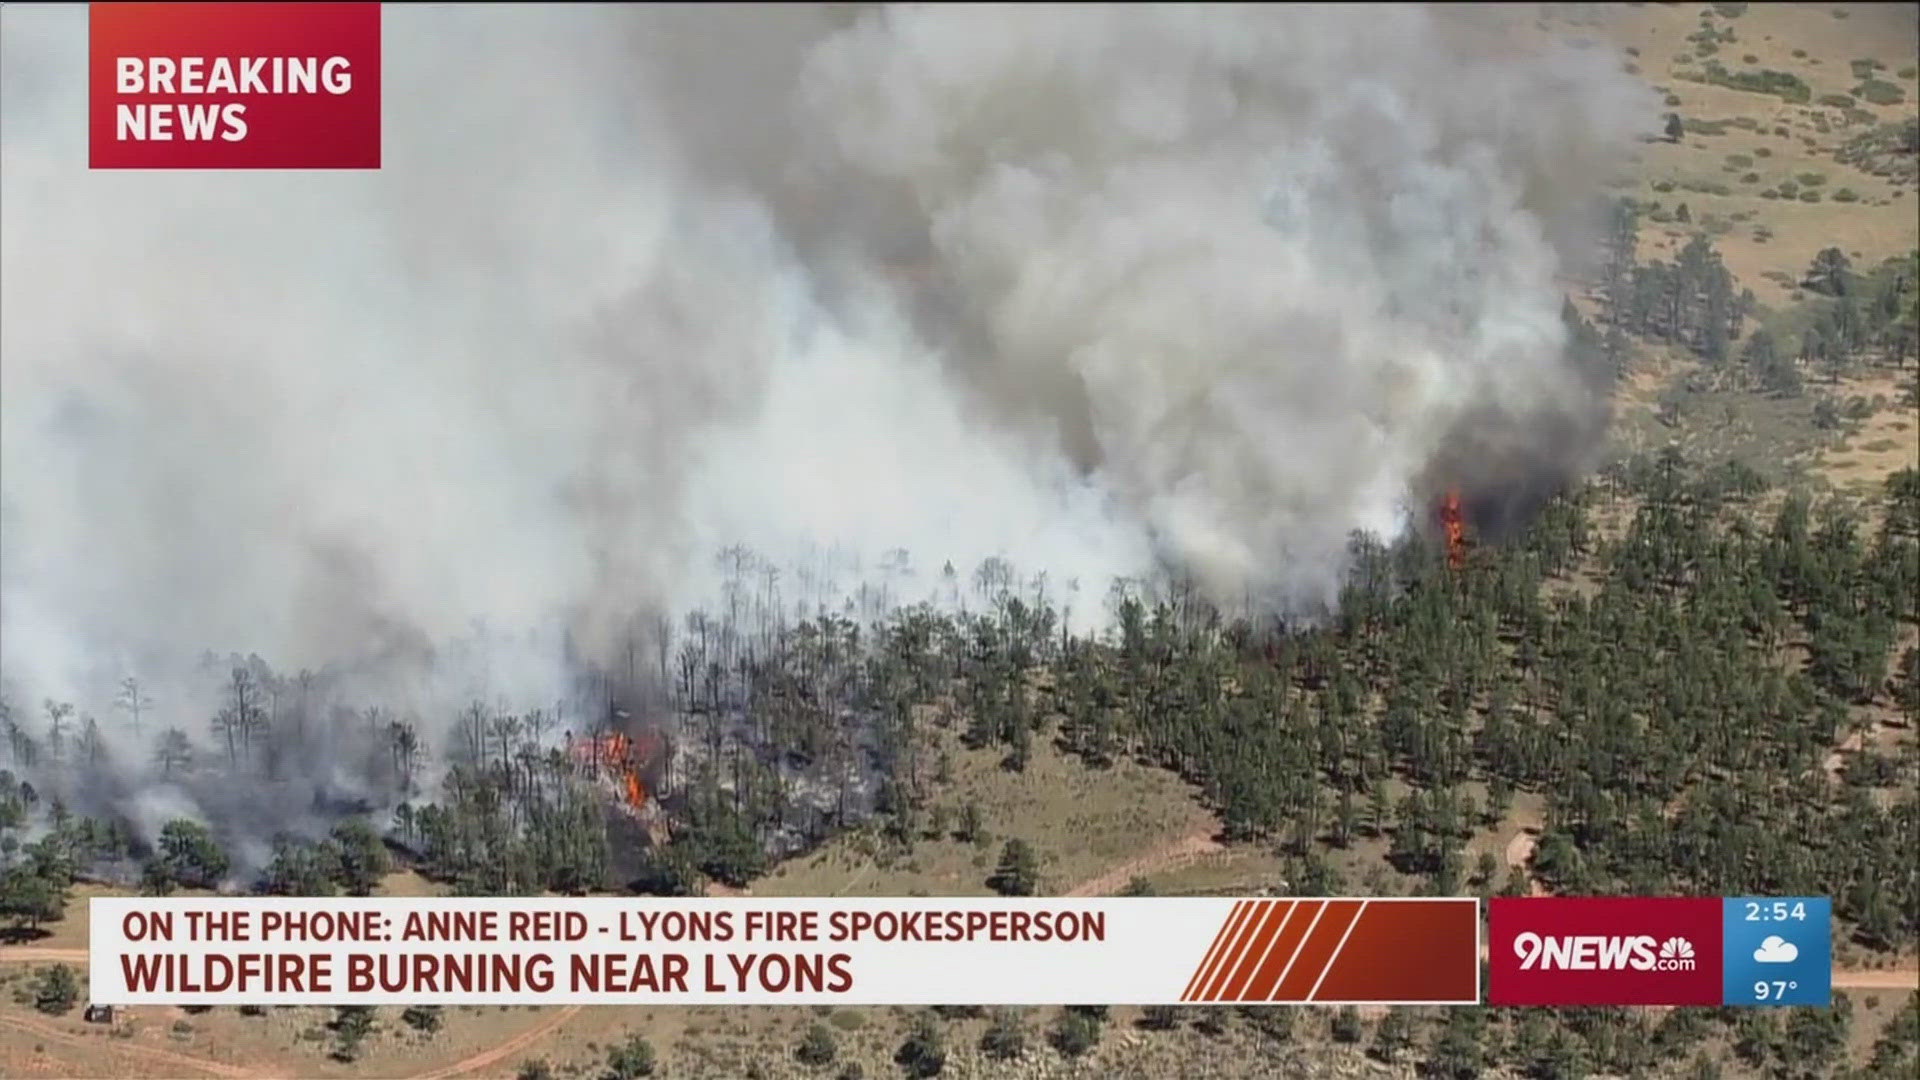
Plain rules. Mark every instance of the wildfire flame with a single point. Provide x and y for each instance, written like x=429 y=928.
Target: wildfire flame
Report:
x=612 y=755
x=1454 y=522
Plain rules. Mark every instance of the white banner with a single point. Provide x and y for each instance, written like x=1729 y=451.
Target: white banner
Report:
x=867 y=951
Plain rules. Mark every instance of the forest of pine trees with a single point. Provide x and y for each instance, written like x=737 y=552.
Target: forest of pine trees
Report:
x=1671 y=692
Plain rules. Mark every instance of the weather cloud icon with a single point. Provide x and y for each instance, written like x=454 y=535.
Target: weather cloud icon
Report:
x=1776 y=950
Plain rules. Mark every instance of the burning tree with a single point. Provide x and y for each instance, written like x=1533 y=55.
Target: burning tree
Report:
x=1453 y=522
x=616 y=756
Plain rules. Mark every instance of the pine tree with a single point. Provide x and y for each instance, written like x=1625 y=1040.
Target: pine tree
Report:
x=1018 y=873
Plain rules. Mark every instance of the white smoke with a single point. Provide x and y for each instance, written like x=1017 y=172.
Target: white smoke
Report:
x=1258 y=264
x=1095 y=289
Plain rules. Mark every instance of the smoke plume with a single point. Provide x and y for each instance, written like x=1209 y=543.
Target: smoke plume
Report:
x=1104 y=291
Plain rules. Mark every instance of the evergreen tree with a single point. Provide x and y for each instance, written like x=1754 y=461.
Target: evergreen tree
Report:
x=1018 y=873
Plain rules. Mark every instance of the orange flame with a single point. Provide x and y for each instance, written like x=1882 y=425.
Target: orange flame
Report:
x=1454 y=522
x=613 y=754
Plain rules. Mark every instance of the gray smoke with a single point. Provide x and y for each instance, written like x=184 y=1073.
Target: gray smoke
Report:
x=1255 y=278
x=1100 y=290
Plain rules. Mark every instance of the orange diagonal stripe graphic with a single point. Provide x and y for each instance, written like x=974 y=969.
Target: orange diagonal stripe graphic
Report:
x=1257 y=946
x=1235 y=950
x=1338 y=948
x=1407 y=950
x=1212 y=957
x=1317 y=950
x=1277 y=946
x=1293 y=955
x=1280 y=950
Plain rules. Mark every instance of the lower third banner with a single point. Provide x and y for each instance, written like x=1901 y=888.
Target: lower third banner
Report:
x=524 y=951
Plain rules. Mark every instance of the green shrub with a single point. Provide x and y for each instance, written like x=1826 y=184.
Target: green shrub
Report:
x=1846 y=195
x=1880 y=92
x=631 y=1059
x=1750 y=178
x=1811 y=179
x=422 y=1018
x=1764 y=151
x=1005 y=1037
x=818 y=1047
x=924 y=1053
x=1837 y=101
x=1910 y=72
x=351 y=1026
x=1074 y=1034
x=1782 y=84
x=1810 y=196
x=55 y=989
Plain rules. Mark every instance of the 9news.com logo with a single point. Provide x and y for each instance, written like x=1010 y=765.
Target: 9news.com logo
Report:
x=1604 y=951
x=1592 y=953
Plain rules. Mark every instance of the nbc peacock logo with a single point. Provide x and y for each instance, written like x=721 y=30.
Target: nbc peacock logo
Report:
x=1676 y=954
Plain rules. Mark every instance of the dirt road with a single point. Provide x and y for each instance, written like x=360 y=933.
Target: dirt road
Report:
x=1165 y=857
x=506 y=1049
x=1866 y=979
x=30 y=955
x=47 y=1032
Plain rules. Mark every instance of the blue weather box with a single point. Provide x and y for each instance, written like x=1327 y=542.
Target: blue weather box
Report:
x=1778 y=950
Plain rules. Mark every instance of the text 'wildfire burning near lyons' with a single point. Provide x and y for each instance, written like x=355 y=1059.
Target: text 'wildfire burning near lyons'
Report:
x=328 y=478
